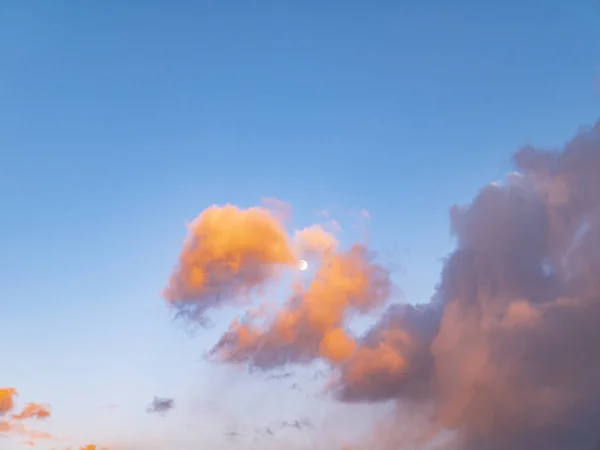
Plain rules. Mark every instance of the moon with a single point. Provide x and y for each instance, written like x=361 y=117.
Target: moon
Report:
x=302 y=265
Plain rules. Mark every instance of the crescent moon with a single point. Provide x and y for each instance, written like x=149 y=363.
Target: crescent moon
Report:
x=302 y=265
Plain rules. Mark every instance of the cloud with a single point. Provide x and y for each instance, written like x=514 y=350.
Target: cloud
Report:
x=161 y=405
x=13 y=424
x=506 y=355
x=22 y=430
x=279 y=209
x=393 y=357
x=508 y=350
x=33 y=410
x=7 y=400
x=312 y=324
x=230 y=252
x=314 y=242
x=86 y=447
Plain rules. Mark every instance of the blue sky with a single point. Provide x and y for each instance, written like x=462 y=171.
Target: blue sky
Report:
x=120 y=121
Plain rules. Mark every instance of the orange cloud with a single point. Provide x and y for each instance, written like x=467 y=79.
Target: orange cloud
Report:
x=371 y=365
x=229 y=253
x=314 y=242
x=30 y=411
x=7 y=399
x=313 y=323
x=21 y=429
x=33 y=410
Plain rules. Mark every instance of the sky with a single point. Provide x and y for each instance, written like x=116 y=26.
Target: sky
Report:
x=120 y=122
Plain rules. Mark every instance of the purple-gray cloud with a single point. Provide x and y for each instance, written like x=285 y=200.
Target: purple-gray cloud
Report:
x=161 y=405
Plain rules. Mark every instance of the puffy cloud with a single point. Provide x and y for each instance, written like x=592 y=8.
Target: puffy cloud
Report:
x=233 y=251
x=512 y=357
x=229 y=253
x=506 y=355
x=313 y=322
x=7 y=400
x=314 y=242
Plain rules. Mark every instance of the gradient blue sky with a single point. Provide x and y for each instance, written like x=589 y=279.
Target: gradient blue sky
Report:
x=121 y=120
